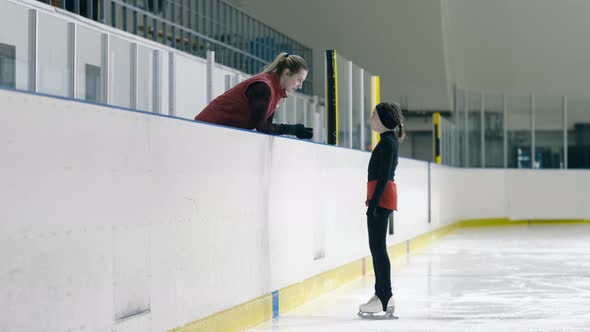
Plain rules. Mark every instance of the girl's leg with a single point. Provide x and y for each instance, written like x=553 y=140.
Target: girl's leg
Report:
x=377 y=226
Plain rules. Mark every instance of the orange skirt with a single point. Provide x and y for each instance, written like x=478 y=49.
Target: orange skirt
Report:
x=388 y=199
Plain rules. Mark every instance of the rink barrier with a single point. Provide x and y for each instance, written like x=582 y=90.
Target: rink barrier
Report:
x=236 y=318
x=265 y=308
x=516 y=222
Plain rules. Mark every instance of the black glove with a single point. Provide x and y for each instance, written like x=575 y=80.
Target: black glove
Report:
x=303 y=132
x=372 y=209
x=298 y=130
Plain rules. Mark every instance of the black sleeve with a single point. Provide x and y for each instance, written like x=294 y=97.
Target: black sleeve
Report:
x=258 y=95
x=386 y=156
x=269 y=127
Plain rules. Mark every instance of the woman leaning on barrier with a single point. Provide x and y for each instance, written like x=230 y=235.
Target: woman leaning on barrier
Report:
x=252 y=103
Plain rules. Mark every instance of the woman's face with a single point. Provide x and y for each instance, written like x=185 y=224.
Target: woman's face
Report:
x=293 y=81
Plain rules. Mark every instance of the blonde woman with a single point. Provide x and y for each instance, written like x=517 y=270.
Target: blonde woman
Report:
x=252 y=103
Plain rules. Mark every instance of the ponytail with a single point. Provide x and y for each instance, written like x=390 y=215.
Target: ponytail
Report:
x=401 y=134
x=285 y=61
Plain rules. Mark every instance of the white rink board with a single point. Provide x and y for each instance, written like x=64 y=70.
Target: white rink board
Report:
x=108 y=212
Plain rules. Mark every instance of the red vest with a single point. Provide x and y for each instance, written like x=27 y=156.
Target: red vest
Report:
x=231 y=108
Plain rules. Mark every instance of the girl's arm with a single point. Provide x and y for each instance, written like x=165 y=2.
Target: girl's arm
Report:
x=385 y=163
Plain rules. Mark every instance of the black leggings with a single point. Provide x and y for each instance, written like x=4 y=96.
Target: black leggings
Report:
x=377 y=226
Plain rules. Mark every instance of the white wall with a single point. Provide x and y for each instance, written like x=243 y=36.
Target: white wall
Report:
x=461 y=194
x=110 y=190
x=548 y=194
x=110 y=213
x=156 y=217
x=520 y=46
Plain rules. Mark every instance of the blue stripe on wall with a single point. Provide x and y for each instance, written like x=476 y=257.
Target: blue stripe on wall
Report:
x=275 y=304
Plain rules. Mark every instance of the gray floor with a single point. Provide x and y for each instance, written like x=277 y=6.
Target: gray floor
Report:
x=520 y=278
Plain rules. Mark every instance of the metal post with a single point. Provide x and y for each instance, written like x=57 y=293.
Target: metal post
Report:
x=227 y=82
x=361 y=108
x=156 y=86
x=331 y=97
x=134 y=74
x=104 y=68
x=72 y=60
x=375 y=100
x=483 y=129
x=436 y=138
x=172 y=85
x=454 y=147
x=445 y=141
x=565 y=128
x=350 y=99
x=455 y=92
x=33 y=48
x=532 y=130
x=505 y=128
x=466 y=117
x=210 y=70
x=317 y=123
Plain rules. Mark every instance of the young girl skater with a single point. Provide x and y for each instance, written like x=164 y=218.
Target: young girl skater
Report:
x=381 y=201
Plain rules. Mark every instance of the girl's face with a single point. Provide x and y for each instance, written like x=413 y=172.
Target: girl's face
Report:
x=293 y=81
x=376 y=123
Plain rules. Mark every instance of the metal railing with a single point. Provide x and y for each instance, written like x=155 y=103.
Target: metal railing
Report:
x=196 y=26
x=55 y=53
x=496 y=130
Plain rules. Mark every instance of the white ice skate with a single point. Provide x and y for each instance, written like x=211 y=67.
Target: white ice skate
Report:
x=374 y=306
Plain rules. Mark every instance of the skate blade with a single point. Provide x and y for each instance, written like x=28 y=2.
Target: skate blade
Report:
x=375 y=316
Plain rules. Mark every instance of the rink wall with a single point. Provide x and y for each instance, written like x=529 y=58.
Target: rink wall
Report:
x=126 y=221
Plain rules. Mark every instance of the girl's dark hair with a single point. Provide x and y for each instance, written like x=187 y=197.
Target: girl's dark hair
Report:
x=391 y=116
x=286 y=61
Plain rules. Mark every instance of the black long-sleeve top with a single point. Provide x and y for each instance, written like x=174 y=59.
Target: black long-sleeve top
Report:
x=258 y=95
x=258 y=100
x=383 y=163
